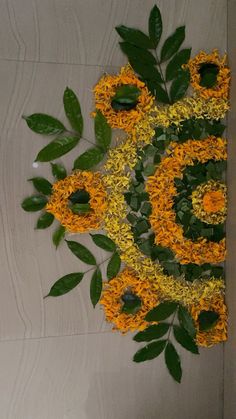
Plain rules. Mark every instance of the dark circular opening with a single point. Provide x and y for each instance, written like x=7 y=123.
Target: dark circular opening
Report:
x=207 y=319
x=131 y=302
x=79 y=202
x=208 y=74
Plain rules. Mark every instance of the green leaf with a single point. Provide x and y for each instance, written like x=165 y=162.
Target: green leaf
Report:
x=186 y=321
x=207 y=320
x=149 y=170
x=146 y=209
x=146 y=71
x=104 y=242
x=173 y=43
x=137 y=54
x=81 y=252
x=131 y=303
x=81 y=196
x=44 y=124
x=58 y=171
x=179 y=86
x=134 y=36
x=174 y=66
x=58 y=235
x=185 y=340
x=34 y=203
x=45 y=220
x=80 y=208
x=208 y=75
x=57 y=148
x=155 y=26
x=155 y=331
x=160 y=94
x=89 y=159
x=161 y=312
x=150 y=351
x=96 y=287
x=65 y=284
x=127 y=93
x=42 y=185
x=113 y=266
x=173 y=364
x=73 y=110
x=102 y=131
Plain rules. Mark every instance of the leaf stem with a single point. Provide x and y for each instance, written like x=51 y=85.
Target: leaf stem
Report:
x=171 y=325
x=162 y=75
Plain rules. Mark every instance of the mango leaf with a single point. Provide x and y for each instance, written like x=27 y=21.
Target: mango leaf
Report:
x=131 y=303
x=149 y=169
x=58 y=235
x=113 y=266
x=44 y=124
x=174 y=66
x=172 y=360
x=57 y=148
x=42 y=185
x=207 y=319
x=73 y=110
x=173 y=43
x=150 y=351
x=34 y=203
x=186 y=321
x=208 y=75
x=134 y=36
x=185 y=340
x=160 y=94
x=137 y=54
x=161 y=312
x=96 y=287
x=155 y=331
x=127 y=93
x=80 y=208
x=81 y=196
x=81 y=252
x=65 y=284
x=45 y=220
x=179 y=86
x=146 y=71
x=89 y=159
x=102 y=131
x=104 y=242
x=58 y=171
x=155 y=26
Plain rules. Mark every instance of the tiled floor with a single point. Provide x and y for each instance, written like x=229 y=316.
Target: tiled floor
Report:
x=58 y=358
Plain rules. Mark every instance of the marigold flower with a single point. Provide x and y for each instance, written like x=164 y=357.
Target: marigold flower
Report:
x=105 y=90
x=58 y=204
x=217 y=333
x=111 y=300
x=209 y=202
x=221 y=87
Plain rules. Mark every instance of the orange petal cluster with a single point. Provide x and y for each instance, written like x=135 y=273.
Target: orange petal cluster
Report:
x=58 y=204
x=161 y=189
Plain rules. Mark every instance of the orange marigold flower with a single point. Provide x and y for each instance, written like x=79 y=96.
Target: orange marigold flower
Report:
x=111 y=300
x=105 y=90
x=209 y=202
x=196 y=65
x=58 y=204
x=218 y=333
x=161 y=189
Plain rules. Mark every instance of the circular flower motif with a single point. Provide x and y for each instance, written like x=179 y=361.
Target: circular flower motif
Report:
x=105 y=90
x=214 y=64
x=209 y=202
x=58 y=204
x=114 y=290
x=218 y=333
x=161 y=189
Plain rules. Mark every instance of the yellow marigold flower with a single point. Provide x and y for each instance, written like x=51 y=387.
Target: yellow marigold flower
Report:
x=201 y=60
x=58 y=204
x=105 y=90
x=217 y=333
x=161 y=189
x=128 y=281
x=209 y=202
